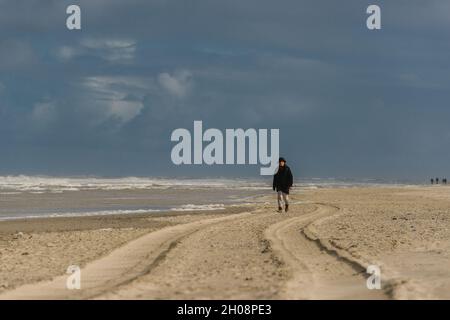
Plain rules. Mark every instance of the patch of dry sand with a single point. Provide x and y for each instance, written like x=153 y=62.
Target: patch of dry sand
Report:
x=39 y=249
x=405 y=231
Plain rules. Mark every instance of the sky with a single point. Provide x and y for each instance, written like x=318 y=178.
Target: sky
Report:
x=349 y=102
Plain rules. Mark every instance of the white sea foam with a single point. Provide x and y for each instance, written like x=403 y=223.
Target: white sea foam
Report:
x=187 y=207
x=79 y=214
x=201 y=207
x=45 y=184
x=58 y=184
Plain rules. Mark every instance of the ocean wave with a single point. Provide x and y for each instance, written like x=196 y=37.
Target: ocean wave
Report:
x=186 y=207
x=80 y=214
x=201 y=207
x=23 y=183
x=60 y=184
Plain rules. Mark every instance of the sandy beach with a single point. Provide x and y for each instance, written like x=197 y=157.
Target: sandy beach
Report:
x=320 y=249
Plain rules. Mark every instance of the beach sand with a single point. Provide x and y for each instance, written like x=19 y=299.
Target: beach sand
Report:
x=39 y=249
x=319 y=250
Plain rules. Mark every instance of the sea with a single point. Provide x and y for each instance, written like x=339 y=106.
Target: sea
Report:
x=23 y=196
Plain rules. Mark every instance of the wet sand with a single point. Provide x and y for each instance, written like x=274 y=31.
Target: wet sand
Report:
x=319 y=250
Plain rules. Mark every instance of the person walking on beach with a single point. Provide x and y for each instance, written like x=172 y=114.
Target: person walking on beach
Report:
x=282 y=182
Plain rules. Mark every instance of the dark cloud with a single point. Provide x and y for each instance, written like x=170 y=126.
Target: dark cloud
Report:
x=349 y=102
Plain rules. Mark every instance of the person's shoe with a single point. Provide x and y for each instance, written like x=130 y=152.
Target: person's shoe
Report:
x=286 y=208
x=280 y=209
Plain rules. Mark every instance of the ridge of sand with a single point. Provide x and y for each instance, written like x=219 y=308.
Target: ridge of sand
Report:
x=122 y=265
x=230 y=260
x=325 y=272
x=391 y=283
x=402 y=229
x=252 y=255
x=262 y=256
x=394 y=284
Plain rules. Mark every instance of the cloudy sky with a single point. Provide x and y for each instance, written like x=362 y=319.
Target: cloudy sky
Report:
x=349 y=102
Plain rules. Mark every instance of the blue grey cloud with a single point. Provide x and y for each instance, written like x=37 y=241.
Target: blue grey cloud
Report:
x=349 y=102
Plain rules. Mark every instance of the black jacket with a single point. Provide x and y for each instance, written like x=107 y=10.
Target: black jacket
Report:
x=283 y=180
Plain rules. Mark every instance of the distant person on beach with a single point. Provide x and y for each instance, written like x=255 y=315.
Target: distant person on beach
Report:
x=432 y=181
x=444 y=181
x=282 y=182
x=437 y=180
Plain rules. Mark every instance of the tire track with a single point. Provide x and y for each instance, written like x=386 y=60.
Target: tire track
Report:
x=316 y=272
x=121 y=266
x=226 y=257
x=229 y=260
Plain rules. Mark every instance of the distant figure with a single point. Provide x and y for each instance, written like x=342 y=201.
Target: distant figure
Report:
x=432 y=181
x=444 y=181
x=282 y=182
x=437 y=180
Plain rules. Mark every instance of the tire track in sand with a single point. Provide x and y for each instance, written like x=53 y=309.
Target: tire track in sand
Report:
x=315 y=272
x=229 y=259
x=121 y=266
